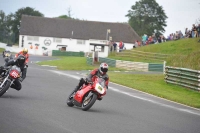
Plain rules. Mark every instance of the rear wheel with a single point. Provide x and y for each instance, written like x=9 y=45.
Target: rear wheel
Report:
x=4 y=88
x=70 y=99
x=88 y=101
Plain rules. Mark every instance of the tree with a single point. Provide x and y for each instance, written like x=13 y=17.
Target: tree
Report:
x=2 y=21
x=4 y=27
x=64 y=16
x=147 y=17
x=15 y=23
x=68 y=16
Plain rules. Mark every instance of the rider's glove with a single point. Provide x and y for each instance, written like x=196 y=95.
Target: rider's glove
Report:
x=107 y=87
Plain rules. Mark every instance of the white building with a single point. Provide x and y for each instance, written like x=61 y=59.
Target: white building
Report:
x=42 y=35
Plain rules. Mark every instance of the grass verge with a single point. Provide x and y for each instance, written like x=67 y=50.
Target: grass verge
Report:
x=154 y=84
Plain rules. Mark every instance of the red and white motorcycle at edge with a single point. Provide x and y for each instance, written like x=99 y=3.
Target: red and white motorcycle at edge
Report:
x=87 y=96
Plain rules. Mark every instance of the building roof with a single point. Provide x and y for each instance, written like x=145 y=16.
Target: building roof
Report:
x=76 y=29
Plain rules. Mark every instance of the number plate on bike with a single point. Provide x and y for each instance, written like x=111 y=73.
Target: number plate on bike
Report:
x=99 y=88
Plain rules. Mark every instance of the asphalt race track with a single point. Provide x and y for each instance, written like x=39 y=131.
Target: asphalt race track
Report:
x=40 y=107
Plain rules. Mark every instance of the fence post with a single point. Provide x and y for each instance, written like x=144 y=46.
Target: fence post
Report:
x=164 y=64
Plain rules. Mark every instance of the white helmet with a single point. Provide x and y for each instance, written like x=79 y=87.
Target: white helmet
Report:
x=103 y=68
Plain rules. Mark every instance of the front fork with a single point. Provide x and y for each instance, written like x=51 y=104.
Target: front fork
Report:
x=7 y=79
x=89 y=95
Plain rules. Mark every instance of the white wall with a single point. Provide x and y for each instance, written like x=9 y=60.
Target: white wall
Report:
x=14 y=49
x=71 y=45
x=128 y=46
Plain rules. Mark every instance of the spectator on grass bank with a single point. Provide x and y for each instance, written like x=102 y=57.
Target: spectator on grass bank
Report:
x=163 y=39
x=159 y=39
x=121 y=46
x=115 y=46
x=186 y=31
x=193 y=30
x=144 y=39
x=135 y=44
x=180 y=34
x=155 y=41
x=198 y=30
x=176 y=36
x=150 y=40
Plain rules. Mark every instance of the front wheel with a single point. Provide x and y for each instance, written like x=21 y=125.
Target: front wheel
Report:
x=88 y=101
x=4 y=88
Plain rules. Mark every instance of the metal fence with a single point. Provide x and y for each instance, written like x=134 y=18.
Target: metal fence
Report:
x=184 y=77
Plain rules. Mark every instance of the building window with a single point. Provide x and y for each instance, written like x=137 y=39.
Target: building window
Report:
x=57 y=40
x=32 y=38
x=102 y=49
x=80 y=41
x=99 y=48
x=62 y=49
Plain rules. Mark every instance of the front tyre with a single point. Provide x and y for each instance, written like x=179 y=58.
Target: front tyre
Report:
x=4 y=88
x=88 y=101
x=70 y=99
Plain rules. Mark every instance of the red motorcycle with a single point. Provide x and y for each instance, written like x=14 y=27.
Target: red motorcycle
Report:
x=87 y=96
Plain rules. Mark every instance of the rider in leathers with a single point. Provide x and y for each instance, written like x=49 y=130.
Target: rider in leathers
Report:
x=24 y=52
x=100 y=72
x=20 y=62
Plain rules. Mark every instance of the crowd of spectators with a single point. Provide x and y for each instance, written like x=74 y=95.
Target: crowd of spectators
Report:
x=114 y=47
x=153 y=39
x=189 y=33
x=194 y=32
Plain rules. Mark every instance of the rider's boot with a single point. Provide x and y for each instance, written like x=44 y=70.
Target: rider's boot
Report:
x=15 y=87
x=76 y=89
x=100 y=98
x=81 y=82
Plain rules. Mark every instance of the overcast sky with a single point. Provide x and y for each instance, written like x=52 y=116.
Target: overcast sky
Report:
x=181 y=13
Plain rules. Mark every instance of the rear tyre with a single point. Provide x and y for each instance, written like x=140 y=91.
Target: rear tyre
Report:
x=70 y=99
x=4 y=88
x=88 y=101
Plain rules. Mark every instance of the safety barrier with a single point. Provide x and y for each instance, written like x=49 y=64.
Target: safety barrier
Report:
x=132 y=65
x=128 y=65
x=67 y=53
x=144 y=55
x=184 y=77
x=110 y=62
x=156 y=67
x=89 y=61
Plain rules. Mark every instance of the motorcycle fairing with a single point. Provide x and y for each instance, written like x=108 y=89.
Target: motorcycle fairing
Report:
x=80 y=94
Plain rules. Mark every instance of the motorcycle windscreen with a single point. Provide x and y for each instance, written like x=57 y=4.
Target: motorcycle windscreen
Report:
x=100 y=89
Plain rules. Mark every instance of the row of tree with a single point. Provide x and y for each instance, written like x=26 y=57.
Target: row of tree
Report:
x=145 y=17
